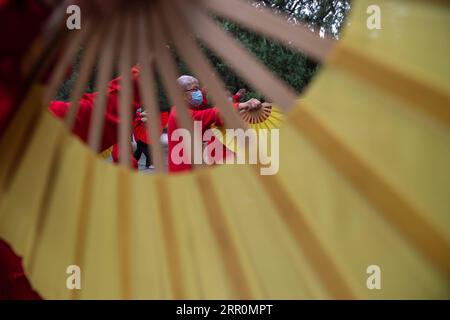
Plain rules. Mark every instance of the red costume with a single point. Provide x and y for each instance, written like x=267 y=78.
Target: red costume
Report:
x=82 y=123
x=208 y=117
x=115 y=154
x=140 y=132
x=20 y=23
x=236 y=98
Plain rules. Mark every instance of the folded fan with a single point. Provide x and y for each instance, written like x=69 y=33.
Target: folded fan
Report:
x=267 y=116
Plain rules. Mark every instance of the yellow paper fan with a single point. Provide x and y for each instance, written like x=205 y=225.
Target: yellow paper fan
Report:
x=363 y=175
x=268 y=117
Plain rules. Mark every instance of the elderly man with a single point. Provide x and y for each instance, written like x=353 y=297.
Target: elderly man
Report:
x=194 y=98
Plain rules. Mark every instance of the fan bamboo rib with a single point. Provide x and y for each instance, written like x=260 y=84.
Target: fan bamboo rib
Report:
x=43 y=51
x=147 y=90
x=82 y=218
x=428 y=99
x=124 y=201
x=168 y=72
x=196 y=60
x=397 y=210
x=57 y=77
x=362 y=178
x=305 y=238
x=166 y=63
x=169 y=238
x=25 y=125
x=227 y=244
x=254 y=72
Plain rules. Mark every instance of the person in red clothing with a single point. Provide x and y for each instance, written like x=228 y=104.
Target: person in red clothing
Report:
x=20 y=23
x=215 y=144
x=208 y=117
x=115 y=154
x=139 y=118
x=205 y=102
x=237 y=97
x=142 y=138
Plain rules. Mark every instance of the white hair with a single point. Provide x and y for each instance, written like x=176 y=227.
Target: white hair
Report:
x=184 y=81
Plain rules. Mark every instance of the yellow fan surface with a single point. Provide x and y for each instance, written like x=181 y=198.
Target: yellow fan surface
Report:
x=363 y=181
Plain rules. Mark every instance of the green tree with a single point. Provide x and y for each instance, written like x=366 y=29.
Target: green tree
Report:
x=325 y=17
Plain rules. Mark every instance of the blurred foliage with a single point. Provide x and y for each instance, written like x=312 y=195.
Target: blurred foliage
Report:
x=324 y=17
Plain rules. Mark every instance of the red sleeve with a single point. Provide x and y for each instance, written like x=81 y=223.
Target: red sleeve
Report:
x=140 y=130
x=137 y=120
x=20 y=23
x=164 y=119
x=209 y=117
x=205 y=99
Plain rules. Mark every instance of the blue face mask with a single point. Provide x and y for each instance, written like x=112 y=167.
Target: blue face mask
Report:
x=196 y=98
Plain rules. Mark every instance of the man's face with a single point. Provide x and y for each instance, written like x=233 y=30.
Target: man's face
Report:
x=193 y=86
